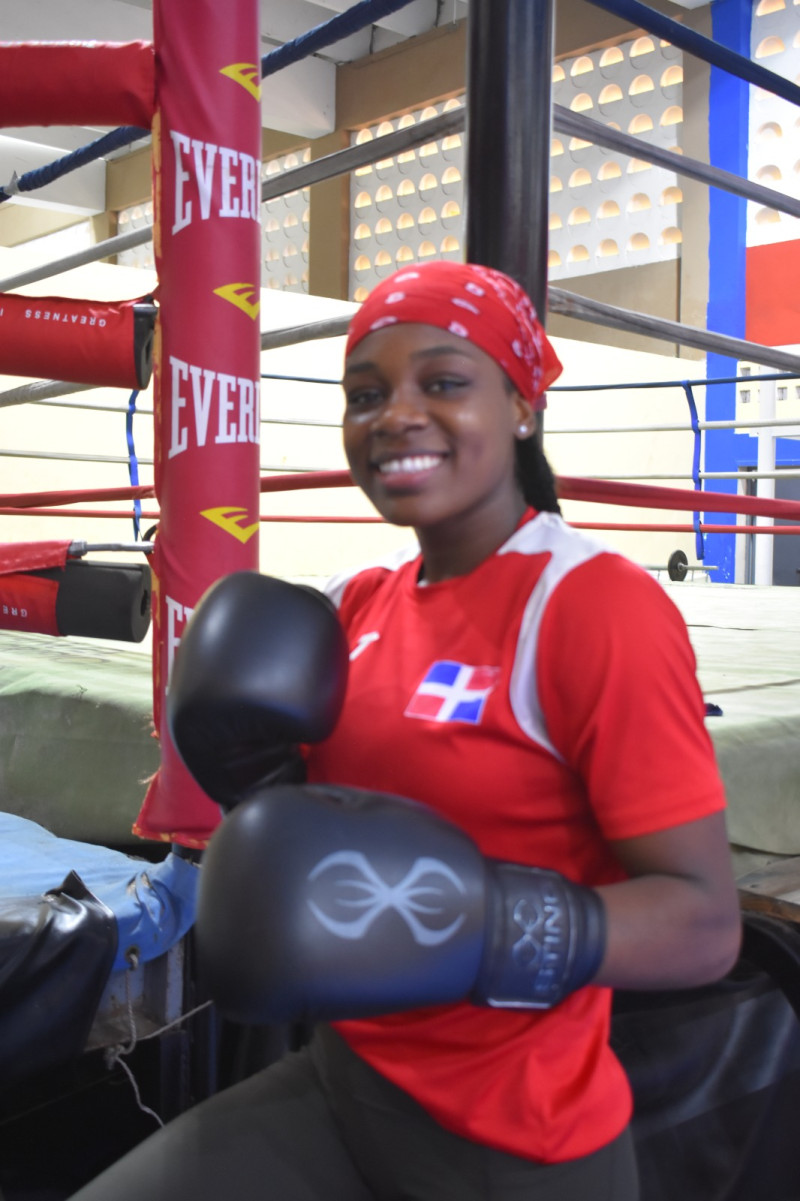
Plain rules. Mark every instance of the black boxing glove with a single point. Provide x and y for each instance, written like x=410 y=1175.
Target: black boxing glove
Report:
x=320 y=902
x=261 y=667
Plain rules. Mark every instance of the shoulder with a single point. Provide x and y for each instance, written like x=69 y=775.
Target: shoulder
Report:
x=595 y=626
x=614 y=651
x=617 y=693
x=586 y=575
x=608 y=597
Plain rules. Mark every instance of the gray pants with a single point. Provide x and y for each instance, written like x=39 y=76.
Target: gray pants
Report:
x=321 y=1125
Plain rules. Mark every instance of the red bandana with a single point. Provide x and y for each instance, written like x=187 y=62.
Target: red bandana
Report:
x=480 y=304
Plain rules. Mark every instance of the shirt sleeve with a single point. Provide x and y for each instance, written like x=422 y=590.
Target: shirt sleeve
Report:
x=621 y=700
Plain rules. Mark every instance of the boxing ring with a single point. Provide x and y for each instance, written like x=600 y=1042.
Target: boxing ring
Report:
x=67 y=811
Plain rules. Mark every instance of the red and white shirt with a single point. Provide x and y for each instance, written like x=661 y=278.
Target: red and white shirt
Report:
x=547 y=704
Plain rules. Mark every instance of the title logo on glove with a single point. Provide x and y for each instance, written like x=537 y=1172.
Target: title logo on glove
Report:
x=541 y=946
x=351 y=895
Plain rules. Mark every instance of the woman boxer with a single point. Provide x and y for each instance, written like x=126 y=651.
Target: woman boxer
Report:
x=536 y=691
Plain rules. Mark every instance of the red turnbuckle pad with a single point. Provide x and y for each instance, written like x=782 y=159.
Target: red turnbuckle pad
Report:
x=80 y=341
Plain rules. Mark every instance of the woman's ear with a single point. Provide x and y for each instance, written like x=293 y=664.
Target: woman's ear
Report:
x=523 y=416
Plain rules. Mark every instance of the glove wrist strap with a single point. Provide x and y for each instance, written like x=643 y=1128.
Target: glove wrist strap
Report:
x=545 y=938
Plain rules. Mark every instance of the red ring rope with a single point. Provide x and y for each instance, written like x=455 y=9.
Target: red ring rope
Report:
x=608 y=492
x=303 y=519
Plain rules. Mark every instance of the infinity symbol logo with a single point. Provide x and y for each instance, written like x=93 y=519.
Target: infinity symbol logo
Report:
x=542 y=931
x=354 y=896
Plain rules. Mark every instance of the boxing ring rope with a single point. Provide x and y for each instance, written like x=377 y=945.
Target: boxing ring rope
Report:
x=564 y=121
x=562 y=302
x=700 y=426
x=40 y=177
x=591 y=489
x=583 y=308
x=388 y=144
x=777 y=423
x=364 y=154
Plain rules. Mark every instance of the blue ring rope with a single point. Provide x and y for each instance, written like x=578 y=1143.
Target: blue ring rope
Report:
x=352 y=20
x=666 y=383
x=701 y=47
x=699 y=537
x=133 y=462
x=39 y=177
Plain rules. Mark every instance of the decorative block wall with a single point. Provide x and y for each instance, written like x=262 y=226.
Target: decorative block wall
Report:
x=284 y=230
x=606 y=210
x=406 y=208
x=609 y=210
x=130 y=219
x=774 y=135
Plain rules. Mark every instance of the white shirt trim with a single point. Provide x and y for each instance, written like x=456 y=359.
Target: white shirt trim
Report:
x=334 y=588
x=546 y=534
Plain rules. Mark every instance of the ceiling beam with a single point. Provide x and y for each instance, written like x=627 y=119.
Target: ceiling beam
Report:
x=75 y=21
x=417 y=17
x=301 y=99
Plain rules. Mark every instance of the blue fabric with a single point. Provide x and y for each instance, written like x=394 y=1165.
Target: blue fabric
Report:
x=133 y=462
x=153 y=903
x=699 y=542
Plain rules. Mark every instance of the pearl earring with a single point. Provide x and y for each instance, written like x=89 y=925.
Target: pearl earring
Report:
x=522 y=430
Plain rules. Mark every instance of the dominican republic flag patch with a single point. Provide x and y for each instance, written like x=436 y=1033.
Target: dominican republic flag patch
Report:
x=453 y=692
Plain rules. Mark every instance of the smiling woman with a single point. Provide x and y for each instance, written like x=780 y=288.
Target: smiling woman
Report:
x=429 y=430
x=445 y=365
x=491 y=838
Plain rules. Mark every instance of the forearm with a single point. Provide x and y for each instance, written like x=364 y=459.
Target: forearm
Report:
x=667 y=932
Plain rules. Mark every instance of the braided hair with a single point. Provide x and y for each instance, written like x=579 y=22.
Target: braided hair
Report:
x=535 y=476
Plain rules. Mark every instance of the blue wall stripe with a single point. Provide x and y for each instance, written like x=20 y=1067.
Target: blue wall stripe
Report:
x=728 y=136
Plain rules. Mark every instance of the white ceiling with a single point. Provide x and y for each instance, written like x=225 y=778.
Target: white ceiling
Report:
x=299 y=100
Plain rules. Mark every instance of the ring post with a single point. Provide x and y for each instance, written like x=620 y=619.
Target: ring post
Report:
x=206 y=155
x=509 y=72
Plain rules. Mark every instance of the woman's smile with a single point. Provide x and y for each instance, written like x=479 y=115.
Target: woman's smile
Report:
x=409 y=464
x=408 y=470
